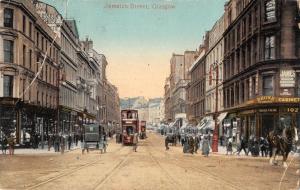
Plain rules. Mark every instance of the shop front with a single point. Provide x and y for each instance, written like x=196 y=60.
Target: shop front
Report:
x=262 y=119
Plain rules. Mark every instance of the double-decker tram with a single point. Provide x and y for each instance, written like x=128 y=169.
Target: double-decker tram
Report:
x=130 y=125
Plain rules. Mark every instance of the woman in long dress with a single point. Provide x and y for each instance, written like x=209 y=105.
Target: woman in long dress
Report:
x=205 y=146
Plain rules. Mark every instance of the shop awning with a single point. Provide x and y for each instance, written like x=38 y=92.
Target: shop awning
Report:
x=221 y=117
x=206 y=123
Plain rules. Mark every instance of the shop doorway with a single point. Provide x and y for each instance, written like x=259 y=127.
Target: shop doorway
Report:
x=267 y=124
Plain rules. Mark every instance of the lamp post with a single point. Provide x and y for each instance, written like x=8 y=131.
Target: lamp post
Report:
x=216 y=114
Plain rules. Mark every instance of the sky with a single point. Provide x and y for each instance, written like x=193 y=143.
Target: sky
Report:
x=139 y=41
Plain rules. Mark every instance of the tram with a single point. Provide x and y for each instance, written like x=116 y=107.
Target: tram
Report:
x=130 y=125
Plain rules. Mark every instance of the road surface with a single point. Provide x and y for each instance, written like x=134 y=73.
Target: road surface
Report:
x=151 y=167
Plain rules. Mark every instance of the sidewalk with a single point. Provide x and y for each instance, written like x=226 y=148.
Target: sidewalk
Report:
x=31 y=151
x=222 y=151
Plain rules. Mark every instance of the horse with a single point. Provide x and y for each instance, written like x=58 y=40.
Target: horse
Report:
x=170 y=139
x=282 y=143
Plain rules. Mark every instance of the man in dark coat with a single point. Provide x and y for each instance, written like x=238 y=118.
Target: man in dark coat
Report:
x=4 y=145
x=243 y=146
x=69 y=142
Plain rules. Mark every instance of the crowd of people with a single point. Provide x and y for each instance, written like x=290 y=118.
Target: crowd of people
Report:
x=192 y=143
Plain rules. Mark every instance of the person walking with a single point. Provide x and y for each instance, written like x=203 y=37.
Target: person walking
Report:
x=205 y=146
x=243 y=146
x=135 y=141
x=62 y=144
x=69 y=142
x=4 y=145
x=104 y=142
x=229 y=146
x=50 y=142
x=11 y=144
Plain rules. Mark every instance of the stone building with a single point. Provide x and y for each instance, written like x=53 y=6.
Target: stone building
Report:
x=214 y=68
x=154 y=107
x=175 y=88
x=29 y=63
x=196 y=87
x=167 y=101
x=261 y=66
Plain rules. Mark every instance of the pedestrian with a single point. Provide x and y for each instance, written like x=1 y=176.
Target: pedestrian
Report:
x=62 y=144
x=50 y=142
x=243 y=146
x=135 y=141
x=56 y=143
x=76 y=139
x=229 y=146
x=104 y=141
x=84 y=146
x=205 y=146
x=264 y=146
x=4 y=145
x=69 y=142
x=11 y=144
x=36 y=141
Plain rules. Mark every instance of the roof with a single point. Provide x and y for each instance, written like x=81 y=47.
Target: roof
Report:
x=72 y=24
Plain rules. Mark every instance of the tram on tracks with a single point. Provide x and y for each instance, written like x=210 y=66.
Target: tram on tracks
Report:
x=143 y=130
x=130 y=125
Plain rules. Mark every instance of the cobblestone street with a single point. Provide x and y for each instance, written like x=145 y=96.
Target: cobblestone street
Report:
x=150 y=168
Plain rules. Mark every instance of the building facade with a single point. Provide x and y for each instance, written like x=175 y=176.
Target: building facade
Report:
x=196 y=87
x=261 y=66
x=29 y=63
x=50 y=81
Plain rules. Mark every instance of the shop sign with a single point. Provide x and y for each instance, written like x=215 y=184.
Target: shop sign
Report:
x=247 y=112
x=290 y=110
x=287 y=78
x=285 y=92
x=272 y=99
x=268 y=110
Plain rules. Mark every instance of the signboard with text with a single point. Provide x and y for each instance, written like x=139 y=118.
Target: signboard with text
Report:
x=287 y=78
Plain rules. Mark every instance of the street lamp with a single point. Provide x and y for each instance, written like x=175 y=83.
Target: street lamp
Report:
x=216 y=114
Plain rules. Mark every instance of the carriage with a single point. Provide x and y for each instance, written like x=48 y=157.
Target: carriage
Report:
x=92 y=135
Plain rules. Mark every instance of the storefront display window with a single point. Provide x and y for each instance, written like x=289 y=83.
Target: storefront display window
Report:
x=252 y=124
x=267 y=124
x=285 y=121
x=7 y=121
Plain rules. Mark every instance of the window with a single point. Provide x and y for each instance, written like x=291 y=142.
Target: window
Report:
x=8 y=51
x=268 y=85
x=42 y=43
x=30 y=29
x=30 y=59
x=253 y=87
x=270 y=47
x=24 y=24
x=37 y=39
x=8 y=82
x=8 y=18
x=24 y=55
x=270 y=10
x=298 y=85
x=37 y=97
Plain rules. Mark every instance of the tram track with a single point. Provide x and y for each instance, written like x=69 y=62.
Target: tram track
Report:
x=67 y=173
x=174 y=182
x=218 y=179
x=109 y=175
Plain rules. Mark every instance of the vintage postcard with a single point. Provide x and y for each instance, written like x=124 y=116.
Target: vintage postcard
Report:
x=150 y=94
